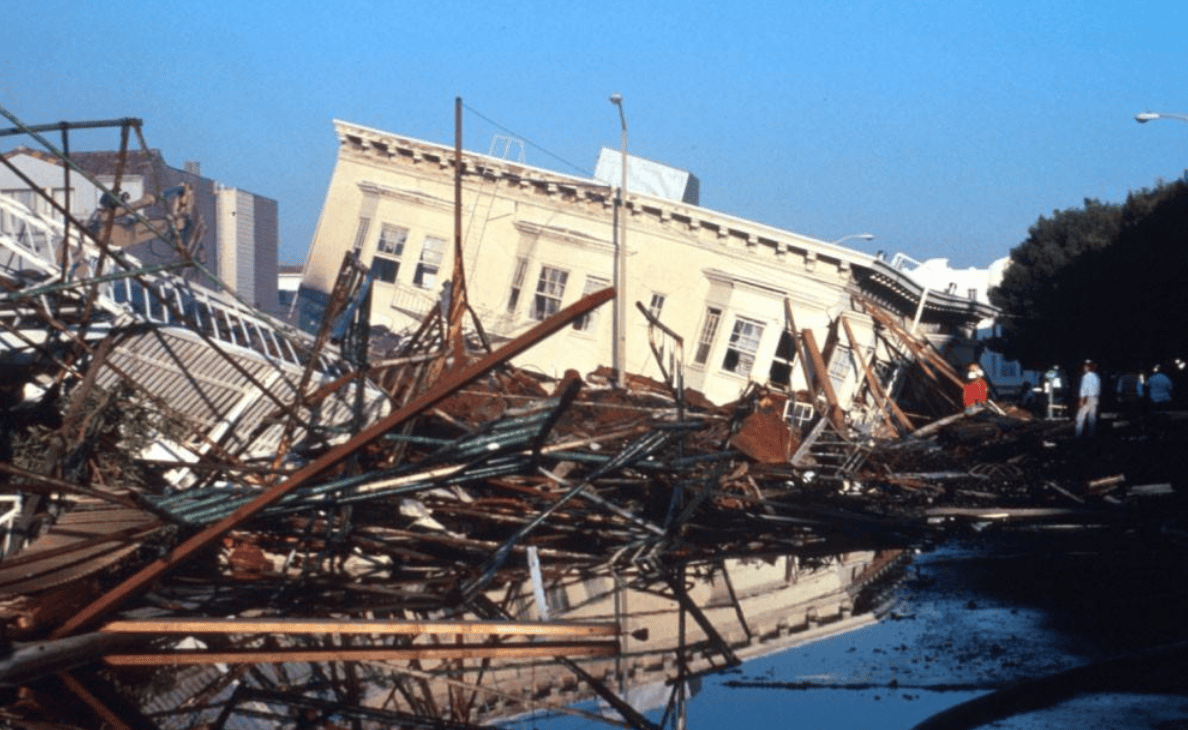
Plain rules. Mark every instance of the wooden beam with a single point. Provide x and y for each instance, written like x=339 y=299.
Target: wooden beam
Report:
x=357 y=626
x=790 y=327
x=357 y=654
x=822 y=376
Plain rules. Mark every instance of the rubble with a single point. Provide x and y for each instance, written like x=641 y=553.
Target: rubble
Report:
x=321 y=530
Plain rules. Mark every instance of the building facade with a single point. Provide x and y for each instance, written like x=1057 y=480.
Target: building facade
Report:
x=535 y=241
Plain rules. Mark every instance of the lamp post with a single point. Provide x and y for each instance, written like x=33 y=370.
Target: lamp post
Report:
x=1144 y=117
x=619 y=346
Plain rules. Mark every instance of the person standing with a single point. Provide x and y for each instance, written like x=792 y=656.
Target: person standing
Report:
x=1089 y=395
x=975 y=393
x=1129 y=393
x=1159 y=389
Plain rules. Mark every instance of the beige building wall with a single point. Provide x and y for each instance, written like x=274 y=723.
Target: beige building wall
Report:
x=536 y=240
x=248 y=242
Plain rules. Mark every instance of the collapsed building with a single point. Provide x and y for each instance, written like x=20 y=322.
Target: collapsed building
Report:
x=220 y=520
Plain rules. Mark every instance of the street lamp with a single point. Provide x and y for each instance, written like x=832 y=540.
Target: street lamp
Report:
x=1144 y=117
x=863 y=236
x=619 y=346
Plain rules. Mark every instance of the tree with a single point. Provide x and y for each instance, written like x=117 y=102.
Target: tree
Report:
x=1042 y=297
x=1143 y=275
x=1105 y=282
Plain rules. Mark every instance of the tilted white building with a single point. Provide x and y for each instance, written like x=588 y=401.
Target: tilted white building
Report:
x=535 y=241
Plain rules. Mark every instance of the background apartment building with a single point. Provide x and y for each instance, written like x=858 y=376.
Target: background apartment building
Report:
x=239 y=243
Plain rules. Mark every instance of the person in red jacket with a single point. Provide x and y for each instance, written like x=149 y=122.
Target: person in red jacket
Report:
x=975 y=393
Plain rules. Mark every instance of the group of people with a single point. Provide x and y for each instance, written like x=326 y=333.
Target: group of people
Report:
x=1132 y=389
x=1134 y=393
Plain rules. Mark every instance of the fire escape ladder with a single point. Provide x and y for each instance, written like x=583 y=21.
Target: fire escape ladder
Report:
x=833 y=455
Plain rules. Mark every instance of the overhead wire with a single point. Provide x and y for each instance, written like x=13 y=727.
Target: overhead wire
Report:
x=529 y=142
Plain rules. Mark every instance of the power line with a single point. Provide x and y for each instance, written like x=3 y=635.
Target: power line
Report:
x=530 y=143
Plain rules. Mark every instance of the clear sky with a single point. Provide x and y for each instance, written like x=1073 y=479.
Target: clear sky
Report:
x=945 y=127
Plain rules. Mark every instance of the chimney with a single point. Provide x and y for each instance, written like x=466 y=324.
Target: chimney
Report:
x=194 y=167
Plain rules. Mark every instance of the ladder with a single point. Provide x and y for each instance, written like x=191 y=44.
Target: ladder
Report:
x=833 y=455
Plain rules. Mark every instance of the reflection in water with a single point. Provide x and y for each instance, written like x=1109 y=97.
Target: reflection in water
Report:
x=678 y=628
x=675 y=627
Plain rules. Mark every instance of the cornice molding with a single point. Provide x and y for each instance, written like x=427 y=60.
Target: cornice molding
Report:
x=416 y=197
x=564 y=235
x=387 y=147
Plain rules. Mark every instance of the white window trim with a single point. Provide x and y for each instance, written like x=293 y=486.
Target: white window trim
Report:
x=753 y=353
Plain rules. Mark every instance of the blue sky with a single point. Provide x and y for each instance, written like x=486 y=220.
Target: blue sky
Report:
x=945 y=127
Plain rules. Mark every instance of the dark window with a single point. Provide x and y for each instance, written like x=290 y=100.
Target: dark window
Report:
x=385 y=269
x=781 y=364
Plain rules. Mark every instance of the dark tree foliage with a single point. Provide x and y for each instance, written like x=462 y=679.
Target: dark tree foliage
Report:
x=1043 y=302
x=1106 y=282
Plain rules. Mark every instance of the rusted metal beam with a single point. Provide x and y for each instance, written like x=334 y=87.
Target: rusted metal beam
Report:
x=569 y=392
x=451 y=383
x=359 y=654
x=358 y=626
x=458 y=294
x=42 y=484
x=40 y=128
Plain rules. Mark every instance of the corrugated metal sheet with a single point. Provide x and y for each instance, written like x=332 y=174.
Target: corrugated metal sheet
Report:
x=199 y=384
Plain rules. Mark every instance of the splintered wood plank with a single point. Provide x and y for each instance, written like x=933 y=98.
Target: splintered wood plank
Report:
x=358 y=626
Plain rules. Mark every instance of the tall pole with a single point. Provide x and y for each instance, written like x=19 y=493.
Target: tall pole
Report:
x=619 y=346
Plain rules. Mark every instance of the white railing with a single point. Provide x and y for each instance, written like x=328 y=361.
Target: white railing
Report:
x=903 y=262
x=27 y=239
x=8 y=519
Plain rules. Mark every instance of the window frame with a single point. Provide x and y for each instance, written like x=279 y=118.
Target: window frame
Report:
x=709 y=331
x=550 y=291
x=783 y=358
x=389 y=252
x=517 y=283
x=743 y=357
x=429 y=262
x=589 y=320
x=656 y=305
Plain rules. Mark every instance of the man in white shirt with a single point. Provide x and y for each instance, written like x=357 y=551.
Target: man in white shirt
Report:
x=1090 y=393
